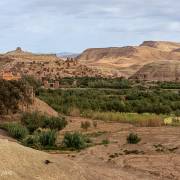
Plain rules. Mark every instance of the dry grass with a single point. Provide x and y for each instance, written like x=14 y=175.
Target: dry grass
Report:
x=74 y=112
x=142 y=120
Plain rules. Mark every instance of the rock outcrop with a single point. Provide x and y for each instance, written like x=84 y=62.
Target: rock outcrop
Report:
x=162 y=45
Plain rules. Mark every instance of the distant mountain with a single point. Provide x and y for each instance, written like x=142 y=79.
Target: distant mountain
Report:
x=126 y=61
x=67 y=55
x=161 y=57
x=22 y=55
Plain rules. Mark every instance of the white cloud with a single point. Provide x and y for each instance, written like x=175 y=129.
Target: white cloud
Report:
x=73 y=25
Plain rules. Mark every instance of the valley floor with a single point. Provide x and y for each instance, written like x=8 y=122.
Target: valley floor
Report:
x=157 y=156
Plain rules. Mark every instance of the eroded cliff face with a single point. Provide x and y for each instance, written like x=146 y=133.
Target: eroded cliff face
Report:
x=159 y=71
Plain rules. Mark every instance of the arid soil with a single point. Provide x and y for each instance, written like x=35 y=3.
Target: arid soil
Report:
x=42 y=108
x=157 y=156
x=22 y=163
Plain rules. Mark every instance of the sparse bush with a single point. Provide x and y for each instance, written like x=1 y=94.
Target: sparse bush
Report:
x=32 y=121
x=16 y=130
x=74 y=141
x=42 y=138
x=85 y=125
x=35 y=120
x=105 y=141
x=57 y=123
x=31 y=141
x=47 y=138
x=133 y=138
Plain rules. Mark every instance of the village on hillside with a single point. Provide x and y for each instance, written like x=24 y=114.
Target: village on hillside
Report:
x=48 y=69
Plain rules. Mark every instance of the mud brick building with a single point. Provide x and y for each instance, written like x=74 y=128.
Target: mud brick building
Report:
x=51 y=84
x=9 y=76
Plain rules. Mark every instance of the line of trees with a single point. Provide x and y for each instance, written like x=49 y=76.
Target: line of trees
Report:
x=131 y=100
x=11 y=93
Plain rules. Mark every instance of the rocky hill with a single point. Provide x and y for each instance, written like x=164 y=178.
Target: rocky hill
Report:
x=95 y=62
x=159 y=71
x=43 y=66
x=128 y=60
x=162 y=45
x=19 y=54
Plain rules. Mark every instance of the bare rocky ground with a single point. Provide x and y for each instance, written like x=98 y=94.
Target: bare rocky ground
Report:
x=157 y=156
x=42 y=107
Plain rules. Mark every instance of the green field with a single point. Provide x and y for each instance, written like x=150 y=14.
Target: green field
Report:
x=115 y=100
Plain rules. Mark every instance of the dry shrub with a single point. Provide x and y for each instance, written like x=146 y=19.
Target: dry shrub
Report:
x=15 y=130
x=151 y=123
x=74 y=140
x=85 y=125
x=74 y=112
x=133 y=138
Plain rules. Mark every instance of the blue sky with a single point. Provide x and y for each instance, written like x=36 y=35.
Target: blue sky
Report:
x=74 y=25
